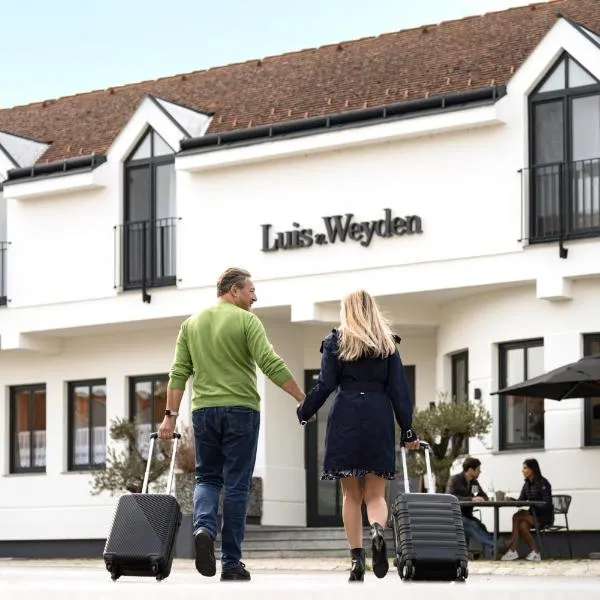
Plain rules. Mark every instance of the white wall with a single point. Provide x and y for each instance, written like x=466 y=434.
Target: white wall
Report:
x=58 y=504
x=480 y=323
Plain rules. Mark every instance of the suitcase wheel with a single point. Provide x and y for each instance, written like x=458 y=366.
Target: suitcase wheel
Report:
x=462 y=573
x=406 y=570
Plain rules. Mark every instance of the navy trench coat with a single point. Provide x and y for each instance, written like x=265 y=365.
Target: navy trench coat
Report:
x=370 y=394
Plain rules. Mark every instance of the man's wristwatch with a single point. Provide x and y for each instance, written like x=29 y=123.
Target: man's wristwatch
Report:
x=171 y=413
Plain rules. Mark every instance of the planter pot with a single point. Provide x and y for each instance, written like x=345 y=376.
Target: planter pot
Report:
x=184 y=491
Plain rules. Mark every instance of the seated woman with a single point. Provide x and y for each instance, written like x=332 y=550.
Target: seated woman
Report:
x=538 y=488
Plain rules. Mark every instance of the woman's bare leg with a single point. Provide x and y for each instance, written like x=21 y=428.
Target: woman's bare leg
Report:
x=377 y=510
x=351 y=510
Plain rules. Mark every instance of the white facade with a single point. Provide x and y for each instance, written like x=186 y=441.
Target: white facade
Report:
x=466 y=282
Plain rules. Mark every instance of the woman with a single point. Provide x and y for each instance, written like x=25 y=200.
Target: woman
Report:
x=538 y=488
x=361 y=359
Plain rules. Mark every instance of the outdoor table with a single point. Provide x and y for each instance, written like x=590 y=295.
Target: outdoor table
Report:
x=497 y=505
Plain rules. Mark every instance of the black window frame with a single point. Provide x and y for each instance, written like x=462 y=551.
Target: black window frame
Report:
x=502 y=351
x=90 y=466
x=454 y=361
x=588 y=408
x=564 y=168
x=164 y=377
x=13 y=391
x=153 y=230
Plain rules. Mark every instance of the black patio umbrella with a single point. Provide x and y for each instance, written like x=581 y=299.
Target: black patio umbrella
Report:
x=580 y=379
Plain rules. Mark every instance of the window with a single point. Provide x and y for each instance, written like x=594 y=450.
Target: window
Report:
x=521 y=418
x=148 y=233
x=148 y=402
x=460 y=384
x=87 y=424
x=564 y=173
x=591 y=345
x=3 y=250
x=28 y=429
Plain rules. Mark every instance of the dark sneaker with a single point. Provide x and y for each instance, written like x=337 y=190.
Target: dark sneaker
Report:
x=237 y=573
x=380 y=560
x=205 y=553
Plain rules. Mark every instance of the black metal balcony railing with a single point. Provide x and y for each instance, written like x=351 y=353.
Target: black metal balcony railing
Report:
x=147 y=251
x=564 y=200
x=3 y=291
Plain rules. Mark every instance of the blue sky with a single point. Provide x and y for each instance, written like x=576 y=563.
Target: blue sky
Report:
x=53 y=49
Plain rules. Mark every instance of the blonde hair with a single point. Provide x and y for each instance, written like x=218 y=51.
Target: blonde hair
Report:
x=363 y=330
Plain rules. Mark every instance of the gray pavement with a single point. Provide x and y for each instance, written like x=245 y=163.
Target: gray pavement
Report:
x=69 y=580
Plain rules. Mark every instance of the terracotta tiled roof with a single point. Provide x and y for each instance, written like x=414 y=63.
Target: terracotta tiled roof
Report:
x=451 y=56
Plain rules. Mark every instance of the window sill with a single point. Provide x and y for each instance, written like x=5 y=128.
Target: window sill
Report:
x=519 y=450
x=26 y=474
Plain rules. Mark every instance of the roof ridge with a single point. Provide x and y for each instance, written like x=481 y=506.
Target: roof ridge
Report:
x=339 y=44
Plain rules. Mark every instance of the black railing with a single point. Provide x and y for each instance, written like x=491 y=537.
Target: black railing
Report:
x=564 y=200
x=3 y=291
x=147 y=251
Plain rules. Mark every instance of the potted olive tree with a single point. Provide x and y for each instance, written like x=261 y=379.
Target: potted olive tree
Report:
x=126 y=464
x=445 y=426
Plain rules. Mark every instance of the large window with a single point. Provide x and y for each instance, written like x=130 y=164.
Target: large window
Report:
x=87 y=424
x=28 y=429
x=148 y=402
x=3 y=250
x=148 y=232
x=591 y=345
x=522 y=418
x=564 y=173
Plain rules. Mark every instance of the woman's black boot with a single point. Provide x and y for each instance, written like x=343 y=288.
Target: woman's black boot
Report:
x=357 y=572
x=380 y=560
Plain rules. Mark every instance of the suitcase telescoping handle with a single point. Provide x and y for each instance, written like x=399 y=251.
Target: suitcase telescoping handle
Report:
x=427 y=449
x=154 y=436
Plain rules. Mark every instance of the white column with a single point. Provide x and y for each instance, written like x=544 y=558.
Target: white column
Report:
x=56 y=426
x=117 y=401
x=281 y=441
x=563 y=422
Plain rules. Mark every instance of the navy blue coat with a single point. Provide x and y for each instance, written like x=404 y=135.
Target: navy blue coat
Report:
x=371 y=394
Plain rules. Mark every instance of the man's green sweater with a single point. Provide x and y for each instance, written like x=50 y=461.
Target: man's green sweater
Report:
x=221 y=347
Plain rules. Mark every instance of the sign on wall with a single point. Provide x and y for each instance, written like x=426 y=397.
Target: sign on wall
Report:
x=340 y=229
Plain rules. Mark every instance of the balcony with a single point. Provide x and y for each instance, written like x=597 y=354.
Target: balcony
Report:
x=146 y=252
x=564 y=200
x=3 y=292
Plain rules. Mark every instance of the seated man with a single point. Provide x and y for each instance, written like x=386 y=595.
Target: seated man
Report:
x=466 y=487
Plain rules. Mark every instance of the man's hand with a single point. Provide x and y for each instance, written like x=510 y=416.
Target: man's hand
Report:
x=166 y=429
x=478 y=499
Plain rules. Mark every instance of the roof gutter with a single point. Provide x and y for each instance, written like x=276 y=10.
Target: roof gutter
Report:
x=363 y=116
x=59 y=167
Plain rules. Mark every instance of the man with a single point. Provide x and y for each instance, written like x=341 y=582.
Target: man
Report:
x=221 y=346
x=463 y=486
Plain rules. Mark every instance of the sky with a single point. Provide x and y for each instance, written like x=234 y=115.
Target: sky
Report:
x=63 y=47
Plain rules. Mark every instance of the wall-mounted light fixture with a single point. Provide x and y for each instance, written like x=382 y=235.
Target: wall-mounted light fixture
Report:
x=477 y=393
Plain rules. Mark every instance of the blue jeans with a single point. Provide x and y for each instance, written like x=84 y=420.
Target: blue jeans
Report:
x=475 y=529
x=226 y=439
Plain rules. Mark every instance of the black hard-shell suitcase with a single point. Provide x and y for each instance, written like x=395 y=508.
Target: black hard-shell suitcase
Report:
x=429 y=537
x=142 y=537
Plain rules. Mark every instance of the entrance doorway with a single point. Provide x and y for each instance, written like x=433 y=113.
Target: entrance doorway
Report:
x=324 y=498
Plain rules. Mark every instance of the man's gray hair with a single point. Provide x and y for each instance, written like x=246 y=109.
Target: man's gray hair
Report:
x=231 y=277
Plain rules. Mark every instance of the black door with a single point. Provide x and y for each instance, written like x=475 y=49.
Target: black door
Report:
x=324 y=498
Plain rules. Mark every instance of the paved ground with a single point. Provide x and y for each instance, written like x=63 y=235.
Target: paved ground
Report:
x=42 y=580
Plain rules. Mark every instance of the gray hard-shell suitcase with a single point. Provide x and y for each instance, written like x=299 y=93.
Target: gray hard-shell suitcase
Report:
x=142 y=537
x=429 y=537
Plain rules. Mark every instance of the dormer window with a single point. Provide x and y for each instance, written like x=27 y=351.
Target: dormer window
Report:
x=564 y=173
x=148 y=232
